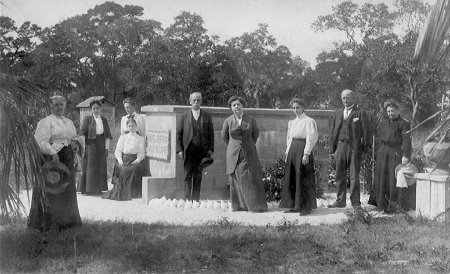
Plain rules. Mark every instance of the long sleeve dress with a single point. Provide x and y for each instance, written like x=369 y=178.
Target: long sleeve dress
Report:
x=243 y=167
x=394 y=144
x=97 y=135
x=127 y=179
x=299 y=191
x=53 y=135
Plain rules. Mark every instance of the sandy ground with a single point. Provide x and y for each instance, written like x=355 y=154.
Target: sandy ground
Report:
x=97 y=209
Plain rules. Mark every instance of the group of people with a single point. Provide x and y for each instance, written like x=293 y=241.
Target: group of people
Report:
x=55 y=205
x=350 y=137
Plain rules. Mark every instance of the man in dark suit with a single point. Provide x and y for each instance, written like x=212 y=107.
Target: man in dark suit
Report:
x=349 y=139
x=195 y=141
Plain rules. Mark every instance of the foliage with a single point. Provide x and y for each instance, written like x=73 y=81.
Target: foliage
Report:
x=224 y=246
x=273 y=179
x=19 y=152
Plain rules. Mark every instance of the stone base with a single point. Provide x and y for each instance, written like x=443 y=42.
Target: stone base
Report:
x=433 y=196
x=158 y=187
x=153 y=188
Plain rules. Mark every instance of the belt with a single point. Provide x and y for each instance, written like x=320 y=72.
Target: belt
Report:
x=299 y=139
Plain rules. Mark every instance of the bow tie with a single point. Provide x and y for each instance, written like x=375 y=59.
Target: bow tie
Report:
x=130 y=116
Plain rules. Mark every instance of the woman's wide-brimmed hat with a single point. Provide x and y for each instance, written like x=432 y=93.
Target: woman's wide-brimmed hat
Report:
x=207 y=161
x=55 y=174
x=408 y=171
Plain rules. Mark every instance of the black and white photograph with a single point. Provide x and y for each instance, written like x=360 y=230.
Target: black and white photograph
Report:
x=225 y=136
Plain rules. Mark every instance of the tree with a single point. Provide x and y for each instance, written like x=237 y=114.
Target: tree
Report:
x=19 y=152
x=16 y=43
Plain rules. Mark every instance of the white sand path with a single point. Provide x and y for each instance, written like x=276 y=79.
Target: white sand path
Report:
x=97 y=209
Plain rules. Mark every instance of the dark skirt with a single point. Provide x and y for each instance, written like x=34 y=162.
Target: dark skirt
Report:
x=94 y=174
x=124 y=178
x=299 y=191
x=58 y=210
x=385 y=195
x=246 y=186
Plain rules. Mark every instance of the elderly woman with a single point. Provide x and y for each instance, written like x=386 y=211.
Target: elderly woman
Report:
x=299 y=192
x=395 y=148
x=240 y=133
x=56 y=137
x=97 y=134
x=130 y=151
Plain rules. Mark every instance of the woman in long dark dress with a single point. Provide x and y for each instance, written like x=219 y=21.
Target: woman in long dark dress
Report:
x=56 y=136
x=240 y=133
x=395 y=148
x=299 y=192
x=130 y=153
x=97 y=134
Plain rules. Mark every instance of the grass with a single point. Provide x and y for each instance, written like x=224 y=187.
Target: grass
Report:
x=360 y=244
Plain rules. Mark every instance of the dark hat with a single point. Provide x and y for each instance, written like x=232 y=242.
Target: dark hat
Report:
x=207 y=161
x=55 y=174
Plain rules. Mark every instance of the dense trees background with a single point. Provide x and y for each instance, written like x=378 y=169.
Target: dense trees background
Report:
x=111 y=50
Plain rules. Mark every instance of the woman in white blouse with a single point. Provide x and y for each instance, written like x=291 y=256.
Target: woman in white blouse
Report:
x=97 y=134
x=299 y=187
x=130 y=152
x=58 y=142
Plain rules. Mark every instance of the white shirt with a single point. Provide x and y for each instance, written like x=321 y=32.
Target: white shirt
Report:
x=239 y=120
x=302 y=127
x=196 y=114
x=347 y=111
x=140 y=120
x=98 y=125
x=53 y=133
x=130 y=143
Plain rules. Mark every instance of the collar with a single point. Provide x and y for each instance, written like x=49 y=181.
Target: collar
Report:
x=196 y=111
x=96 y=117
x=303 y=115
x=350 y=107
x=238 y=117
x=133 y=114
x=58 y=117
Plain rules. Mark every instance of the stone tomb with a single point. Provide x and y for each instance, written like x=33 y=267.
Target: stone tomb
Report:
x=167 y=172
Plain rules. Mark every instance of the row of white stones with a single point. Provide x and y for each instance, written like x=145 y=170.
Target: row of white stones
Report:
x=210 y=204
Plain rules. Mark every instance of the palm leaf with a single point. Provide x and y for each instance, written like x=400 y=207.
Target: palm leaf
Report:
x=433 y=33
x=431 y=135
x=20 y=157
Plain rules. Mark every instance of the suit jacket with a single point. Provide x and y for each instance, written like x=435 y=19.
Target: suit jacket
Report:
x=185 y=132
x=358 y=130
x=239 y=138
x=88 y=127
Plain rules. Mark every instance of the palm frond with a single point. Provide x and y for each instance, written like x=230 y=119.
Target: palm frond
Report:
x=433 y=33
x=19 y=152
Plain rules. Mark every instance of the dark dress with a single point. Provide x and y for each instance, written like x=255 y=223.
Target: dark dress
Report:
x=59 y=210
x=124 y=178
x=299 y=191
x=94 y=170
x=243 y=167
x=393 y=144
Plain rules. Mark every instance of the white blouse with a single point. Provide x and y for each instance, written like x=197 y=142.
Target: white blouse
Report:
x=303 y=127
x=98 y=125
x=130 y=143
x=53 y=133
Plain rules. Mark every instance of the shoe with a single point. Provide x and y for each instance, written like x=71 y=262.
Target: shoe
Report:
x=336 y=206
x=291 y=211
x=305 y=212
